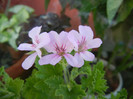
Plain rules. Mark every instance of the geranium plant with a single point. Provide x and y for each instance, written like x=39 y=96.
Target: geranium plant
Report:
x=60 y=70
x=61 y=45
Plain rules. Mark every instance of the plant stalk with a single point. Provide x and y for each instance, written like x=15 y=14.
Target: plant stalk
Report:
x=7 y=7
x=66 y=74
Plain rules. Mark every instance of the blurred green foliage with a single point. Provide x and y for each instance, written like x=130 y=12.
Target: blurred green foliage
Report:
x=112 y=8
x=46 y=4
x=11 y=26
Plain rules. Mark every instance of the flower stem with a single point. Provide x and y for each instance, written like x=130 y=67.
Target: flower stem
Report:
x=64 y=64
x=66 y=74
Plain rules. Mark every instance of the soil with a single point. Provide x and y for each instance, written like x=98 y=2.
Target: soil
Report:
x=5 y=58
x=8 y=55
x=112 y=81
x=48 y=22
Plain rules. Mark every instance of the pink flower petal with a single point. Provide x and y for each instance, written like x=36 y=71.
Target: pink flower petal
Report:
x=63 y=36
x=50 y=48
x=50 y=59
x=88 y=56
x=74 y=37
x=25 y=47
x=86 y=31
x=79 y=59
x=55 y=60
x=29 y=61
x=54 y=39
x=94 y=43
x=54 y=36
x=39 y=53
x=43 y=39
x=70 y=60
x=35 y=32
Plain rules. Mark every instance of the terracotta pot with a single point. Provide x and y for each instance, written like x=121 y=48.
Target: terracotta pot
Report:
x=18 y=57
x=16 y=69
x=14 y=54
x=55 y=7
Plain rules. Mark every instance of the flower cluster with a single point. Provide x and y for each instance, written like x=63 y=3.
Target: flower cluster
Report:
x=60 y=46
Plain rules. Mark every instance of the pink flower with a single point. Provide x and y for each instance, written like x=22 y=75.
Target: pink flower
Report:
x=83 y=41
x=39 y=40
x=60 y=47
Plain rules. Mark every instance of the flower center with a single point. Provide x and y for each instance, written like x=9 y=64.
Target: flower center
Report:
x=82 y=45
x=60 y=50
x=33 y=45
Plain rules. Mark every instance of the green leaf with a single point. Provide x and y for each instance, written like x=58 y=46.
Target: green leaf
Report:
x=47 y=71
x=3 y=22
x=18 y=8
x=46 y=4
x=13 y=36
x=4 y=75
x=120 y=95
x=13 y=21
x=112 y=8
x=4 y=94
x=23 y=15
x=45 y=91
x=75 y=93
x=15 y=86
x=10 y=89
x=29 y=90
x=125 y=10
x=99 y=83
x=10 y=35
x=86 y=68
x=43 y=82
x=36 y=88
x=54 y=82
x=95 y=81
x=4 y=37
x=80 y=72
